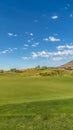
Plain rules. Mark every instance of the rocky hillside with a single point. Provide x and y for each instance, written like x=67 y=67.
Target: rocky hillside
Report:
x=68 y=66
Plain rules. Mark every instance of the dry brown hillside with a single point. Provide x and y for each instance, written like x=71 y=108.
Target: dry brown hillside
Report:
x=68 y=65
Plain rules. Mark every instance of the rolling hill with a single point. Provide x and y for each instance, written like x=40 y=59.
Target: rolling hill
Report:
x=68 y=66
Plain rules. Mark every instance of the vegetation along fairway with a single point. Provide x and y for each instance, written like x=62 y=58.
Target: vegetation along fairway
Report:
x=36 y=103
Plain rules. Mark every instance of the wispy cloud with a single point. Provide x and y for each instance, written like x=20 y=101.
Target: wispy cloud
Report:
x=26 y=45
x=54 y=17
x=57 y=58
x=31 y=34
x=15 y=48
x=24 y=48
x=46 y=39
x=12 y=34
x=40 y=54
x=57 y=55
x=28 y=41
x=52 y=54
x=26 y=58
x=9 y=50
x=54 y=39
x=35 y=44
x=65 y=47
x=65 y=52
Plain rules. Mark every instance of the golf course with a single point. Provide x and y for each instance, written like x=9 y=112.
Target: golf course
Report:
x=36 y=64
x=36 y=102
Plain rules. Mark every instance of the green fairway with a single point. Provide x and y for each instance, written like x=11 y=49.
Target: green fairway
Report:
x=36 y=103
x=46 y=115
x=19 y=89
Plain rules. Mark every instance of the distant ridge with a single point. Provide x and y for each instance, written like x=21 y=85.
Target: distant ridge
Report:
x=68 y=66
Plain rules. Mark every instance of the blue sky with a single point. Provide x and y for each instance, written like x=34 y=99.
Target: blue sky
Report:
x=35 y=32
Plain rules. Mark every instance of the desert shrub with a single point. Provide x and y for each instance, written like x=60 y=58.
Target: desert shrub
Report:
x=1 y=71
x=13 y=70
x=38 y=67
x=52 y=72
x=44 y=67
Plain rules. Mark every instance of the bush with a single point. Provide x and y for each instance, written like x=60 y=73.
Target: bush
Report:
x=52 y=73
x=1 y=71
x=13 y=70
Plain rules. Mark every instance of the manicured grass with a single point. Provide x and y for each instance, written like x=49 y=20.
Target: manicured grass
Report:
x=17 y=89
x=36 y=103
x=48 y=115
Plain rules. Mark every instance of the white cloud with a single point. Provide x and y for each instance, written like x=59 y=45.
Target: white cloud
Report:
x=54 y=17
x=43 y=54
x=31 y=34
x=28 y=40
x=24 y=48
x=52 y=54
x=35 y=44
x=40 y=54
x=34 y=55
x=26 y=58
x=9 y=50
x=4 y=52
x=15 y=48
x=26 y=45
x=65 y=47
x=46 y=39
x=60 y=47
x=57 y=58
x=53 y=39
x=65 y=52
x=12 y=34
